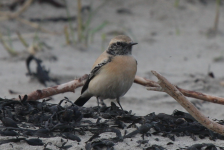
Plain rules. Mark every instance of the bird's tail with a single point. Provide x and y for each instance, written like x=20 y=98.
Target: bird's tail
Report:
x=82 y=100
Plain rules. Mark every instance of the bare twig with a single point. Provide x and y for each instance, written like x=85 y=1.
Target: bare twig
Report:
x=67 y=38
x=9 y=49
x=188 y=93
x=202 y=96
x=22 y=40
x=23 y=9
x=34 y=25
x=15 y=37
x=180 y=98
x=70 y=23
x=66 y=87
x=79 y=21
x=216 y=22
x=8 y=15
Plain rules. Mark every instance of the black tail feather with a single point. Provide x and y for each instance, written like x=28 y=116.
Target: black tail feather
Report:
x=81 y=100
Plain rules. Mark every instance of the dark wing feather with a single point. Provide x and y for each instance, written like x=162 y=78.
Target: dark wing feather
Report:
x=94 y=72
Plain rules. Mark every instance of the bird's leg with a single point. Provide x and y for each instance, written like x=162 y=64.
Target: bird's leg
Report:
x=118 y=101
x=98 y=102
x=102 y=103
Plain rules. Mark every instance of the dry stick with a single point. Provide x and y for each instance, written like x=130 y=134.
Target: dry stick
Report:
x=34 y=25
x=79 y=21
x=15 y=37
x=210 y=98
x=66 y=87
x=23 y=9
x=22 y=40
x=201 y=96
x=67 y=38
x=8 y=15
x=4 y=15
x=180 y=98
x=9 y=49
x=216 y=22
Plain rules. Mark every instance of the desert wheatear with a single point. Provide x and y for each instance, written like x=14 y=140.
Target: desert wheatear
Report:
x=112 y=73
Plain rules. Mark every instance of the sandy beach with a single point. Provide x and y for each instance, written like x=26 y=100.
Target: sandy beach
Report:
x=172 y=40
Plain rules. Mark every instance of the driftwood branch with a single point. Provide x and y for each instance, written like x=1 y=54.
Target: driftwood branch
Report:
x=180 y=98
x=201 y=96
x=145 y=82
x=66 y=87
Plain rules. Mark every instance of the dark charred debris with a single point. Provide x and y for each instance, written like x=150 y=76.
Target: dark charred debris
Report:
x=41 y=74
x=30 y=121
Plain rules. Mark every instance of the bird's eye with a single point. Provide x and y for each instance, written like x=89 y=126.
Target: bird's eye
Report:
x=119 y=44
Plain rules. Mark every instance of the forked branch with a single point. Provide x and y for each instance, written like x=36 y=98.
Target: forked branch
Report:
x=154 y=86
x=180 y=98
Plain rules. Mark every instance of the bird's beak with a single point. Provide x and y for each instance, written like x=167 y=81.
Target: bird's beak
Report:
x=132 y=43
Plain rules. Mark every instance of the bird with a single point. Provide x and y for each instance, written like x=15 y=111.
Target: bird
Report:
x=112 y=73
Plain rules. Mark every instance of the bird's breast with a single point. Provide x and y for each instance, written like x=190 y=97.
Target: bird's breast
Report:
x=115 y=78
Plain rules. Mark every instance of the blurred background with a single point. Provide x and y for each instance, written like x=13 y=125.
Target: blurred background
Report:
x=181 y=39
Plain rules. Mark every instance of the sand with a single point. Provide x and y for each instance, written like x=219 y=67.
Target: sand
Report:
x=172 y=41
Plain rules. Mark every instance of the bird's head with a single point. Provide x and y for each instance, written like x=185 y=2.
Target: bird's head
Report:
x=120 y=45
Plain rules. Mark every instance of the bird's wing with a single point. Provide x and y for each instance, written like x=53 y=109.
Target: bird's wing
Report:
x=94 y=72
